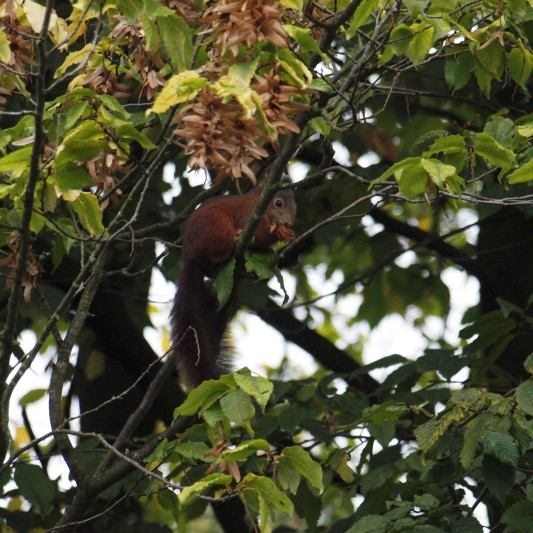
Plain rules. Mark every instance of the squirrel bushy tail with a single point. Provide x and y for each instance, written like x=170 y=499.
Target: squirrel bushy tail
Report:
x=198 y=328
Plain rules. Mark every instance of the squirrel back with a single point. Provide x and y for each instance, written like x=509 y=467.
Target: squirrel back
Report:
x=197 y=325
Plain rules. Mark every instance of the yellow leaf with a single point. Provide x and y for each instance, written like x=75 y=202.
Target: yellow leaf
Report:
x=180 y=88
x=35 y=13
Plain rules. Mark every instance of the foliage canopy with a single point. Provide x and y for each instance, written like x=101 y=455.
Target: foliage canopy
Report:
x=430 y=103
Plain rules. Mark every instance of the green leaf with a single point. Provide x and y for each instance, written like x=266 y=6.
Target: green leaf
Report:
x=448 y=144
x=32 y=396
x=265 y=489
x=528 y=363
x=458 y=70
x=223 y=283
x=519 y=517
x=180 y=88
x=502 y=446
x=16 y=161
x=259 y=263
x=70 y=176
x=371 y=524
x=131 y=9
x=304 y=40
x=524 y=395
x=296 y=70
x=399 y=39
x=520 y=64
x=206 y=394
x=320 y=125
x=258 y=387
x=176 y=35
x=89 y=212
x=522 y=174
x=491 y=58
x=192 y=450
x=438 y=172
x=304 y=464
x=244 y=450
x=35 y=486
x=81 y=144
x=5 y=48
x=363 y=11
x=398 y=168
x=426 y=502
x=491 y=150
x=471 y=440
x=412 y=181
x=238 y=407
x=188 y=494
x=287 y=477
x=499 y=477
x=421 y=42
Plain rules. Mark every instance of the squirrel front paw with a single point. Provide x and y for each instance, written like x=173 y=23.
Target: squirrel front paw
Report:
x=283 y=233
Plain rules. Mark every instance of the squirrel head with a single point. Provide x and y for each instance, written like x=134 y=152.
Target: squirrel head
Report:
x=282 y=208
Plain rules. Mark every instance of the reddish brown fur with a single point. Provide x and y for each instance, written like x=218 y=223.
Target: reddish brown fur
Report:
x=209 y=239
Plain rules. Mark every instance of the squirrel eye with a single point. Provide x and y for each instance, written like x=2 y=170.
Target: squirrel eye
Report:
x=278 y=202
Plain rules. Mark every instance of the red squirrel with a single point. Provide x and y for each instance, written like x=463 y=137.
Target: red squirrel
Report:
x=198 y=325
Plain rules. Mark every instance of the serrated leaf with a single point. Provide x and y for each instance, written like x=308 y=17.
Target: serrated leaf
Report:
x=35 y=486
x=304 y=464
x=201 y=397
x=176 y=36
x=180 y=88
x=82 y=143
x=258 y=387
x=188 y=494
x=491 y=150
x=267 y=490
x=519 y=517
x=502 y=446
x=192 y=450
x=223 y=283
x=524 y=396
x=237 y=406
x=472 y=438
x=287 y=477
x=35 y=13
x=438 y=172
x=522 y=174
x=89 y=212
